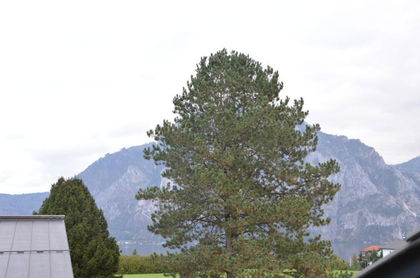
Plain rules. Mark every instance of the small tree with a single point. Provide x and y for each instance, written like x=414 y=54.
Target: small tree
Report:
x=242 y=197
x=370 y=257
x=355 y=263
x=94 y=254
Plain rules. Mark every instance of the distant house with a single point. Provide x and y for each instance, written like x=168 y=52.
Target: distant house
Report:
x=371 y=248
x=34 y=247
x=391 y=247
x=369 y=255
x=403 y=262
x=381 y=250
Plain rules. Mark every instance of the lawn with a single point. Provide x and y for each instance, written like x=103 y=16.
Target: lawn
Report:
x=353 y=272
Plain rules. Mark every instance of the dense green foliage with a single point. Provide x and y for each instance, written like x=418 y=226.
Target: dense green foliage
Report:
x=369 y=258
x=337 y=263
x=355 y=263
x=149 y=275
x=334 y=274
x=242 y=197
x=94 y=254
x=136 y=264
x=175 y=263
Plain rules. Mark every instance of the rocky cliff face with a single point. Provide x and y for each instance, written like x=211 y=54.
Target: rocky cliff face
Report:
x=114 y=181
x=377 y=203
x=411 y=168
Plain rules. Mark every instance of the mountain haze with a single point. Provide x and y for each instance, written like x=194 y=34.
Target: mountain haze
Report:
x=377 y=203
x=21 y=204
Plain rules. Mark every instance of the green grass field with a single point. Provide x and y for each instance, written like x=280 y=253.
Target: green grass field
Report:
x=353 y=272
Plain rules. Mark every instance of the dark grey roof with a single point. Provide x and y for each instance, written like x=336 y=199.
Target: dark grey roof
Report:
x=396 y=245
x=34 y=247
x=414 y=236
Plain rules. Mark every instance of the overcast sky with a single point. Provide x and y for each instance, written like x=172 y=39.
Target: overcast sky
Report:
x=79 y=79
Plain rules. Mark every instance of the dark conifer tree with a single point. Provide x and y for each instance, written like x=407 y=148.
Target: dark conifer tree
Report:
x=243 y=196
x=94 y=254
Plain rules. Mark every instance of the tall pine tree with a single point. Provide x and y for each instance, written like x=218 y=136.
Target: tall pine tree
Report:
x=94 y=254
x=242 y=196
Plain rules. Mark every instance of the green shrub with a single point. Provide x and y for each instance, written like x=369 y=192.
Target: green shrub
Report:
x=335 y=262
x=135 y=264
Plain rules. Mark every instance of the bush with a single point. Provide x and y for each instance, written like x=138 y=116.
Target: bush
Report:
x=135 y=264
x=336 y=263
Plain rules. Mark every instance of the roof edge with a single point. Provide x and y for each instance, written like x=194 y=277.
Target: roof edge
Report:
x=370 y=270
x=31 y=217
x=414 y=236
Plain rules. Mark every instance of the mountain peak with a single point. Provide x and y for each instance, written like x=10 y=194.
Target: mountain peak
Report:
x=413 y=165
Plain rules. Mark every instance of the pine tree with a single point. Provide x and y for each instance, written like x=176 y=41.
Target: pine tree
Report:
x=94 y=254
x=241 y=197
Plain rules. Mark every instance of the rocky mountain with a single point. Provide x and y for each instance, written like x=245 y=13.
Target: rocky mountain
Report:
x=377 y=203
x=114 y=181
x=411 y=168
x=21 y=204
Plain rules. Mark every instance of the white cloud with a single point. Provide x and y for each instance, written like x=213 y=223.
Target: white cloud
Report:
x=83 y=78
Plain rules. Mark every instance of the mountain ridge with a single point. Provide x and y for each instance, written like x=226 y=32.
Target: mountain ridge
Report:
x=377 y=202
x=21 y=204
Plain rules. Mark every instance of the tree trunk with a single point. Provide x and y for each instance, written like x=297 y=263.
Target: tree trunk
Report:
x=230 y=236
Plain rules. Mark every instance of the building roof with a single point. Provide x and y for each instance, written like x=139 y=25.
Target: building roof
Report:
x=371 y=248
x=34 y=247
x=403 y=262
x=396 y=245
x=414 y=236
